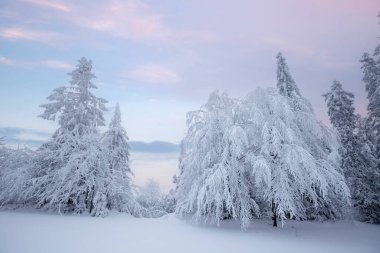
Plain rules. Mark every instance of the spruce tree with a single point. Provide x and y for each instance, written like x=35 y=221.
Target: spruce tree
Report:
x=115 y=139
x=71 y=171
x=358 y=163
x=285 y=83
x=371 y=78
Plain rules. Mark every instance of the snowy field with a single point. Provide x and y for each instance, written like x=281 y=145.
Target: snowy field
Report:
x=22 y=232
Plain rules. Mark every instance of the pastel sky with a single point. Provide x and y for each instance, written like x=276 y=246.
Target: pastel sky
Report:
x=160 y=59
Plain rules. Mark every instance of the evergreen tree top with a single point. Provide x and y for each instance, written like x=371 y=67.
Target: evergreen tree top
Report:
x=75 y=106
x=116 y=118
x=82 y=75
x=340 y=109
x=285 y=83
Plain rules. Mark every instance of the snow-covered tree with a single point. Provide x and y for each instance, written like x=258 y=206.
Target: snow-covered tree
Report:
x=212 y=184
x=358 y=162
x=153 y=202
x=342 y=116
x=261 y=154
x=14 y=173
x=292 y=159
x=78 y=110
x=288 y=88
x=371 y=78
x=285 y=83
x=169 y=201
x=150 y=197
x=120 y=195
x=370 y=181
x=71 y=170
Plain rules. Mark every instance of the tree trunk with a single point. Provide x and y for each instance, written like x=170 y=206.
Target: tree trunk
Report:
x=91 y=203
x=274 y=214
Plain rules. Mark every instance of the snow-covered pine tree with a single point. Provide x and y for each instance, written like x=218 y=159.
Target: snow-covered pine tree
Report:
x=288 y=88
x=292 y=159
x=212 y=184
x=115 y=140
x=342 y=116
x=71 y=172
x=285 y=83
x=358 y=163
x=371 y=204
x=371 y=78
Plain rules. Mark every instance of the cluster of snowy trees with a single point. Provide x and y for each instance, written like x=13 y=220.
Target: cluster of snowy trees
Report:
x=360 y=139
x=152 y=199
x=79 y=170
x=265 y=155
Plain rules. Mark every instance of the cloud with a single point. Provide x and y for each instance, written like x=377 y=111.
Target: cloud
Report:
x=6 y=61
x=20 y=33
x=152 y=73
x=55 y=64
x=126 y=19
x=58 y=5
x=130 y=19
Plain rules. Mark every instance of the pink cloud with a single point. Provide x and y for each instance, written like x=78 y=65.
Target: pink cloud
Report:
x=128 y=19
x=54 y=64
x=19 y=33
x=6 y=61
x=58 y=5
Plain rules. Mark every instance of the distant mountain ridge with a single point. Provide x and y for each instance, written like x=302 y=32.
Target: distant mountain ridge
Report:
x=33 y=138
x=153 y=147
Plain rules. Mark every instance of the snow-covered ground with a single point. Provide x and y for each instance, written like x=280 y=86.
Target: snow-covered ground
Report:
x=32 y=232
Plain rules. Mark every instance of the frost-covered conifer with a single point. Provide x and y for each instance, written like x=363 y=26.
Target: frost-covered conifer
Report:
x=285 y=83
x=342 y=115
x=358 y=162
x=71 y=170
x=115 y=139
x=371 y=78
